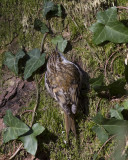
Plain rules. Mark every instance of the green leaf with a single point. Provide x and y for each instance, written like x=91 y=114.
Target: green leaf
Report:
x=125 y=104
x=99 y=119
x=98 y=83
x=15 y=126
x=117 y=88
x=58 y=40
x=101 y=133
x=40 y=26
x=51 y=9
x=116 y=113
x=112 y=126
x=108 y=28
x=118 y=152
x=36 y=60
x=30 y=141
x=48 y=7
x=12 y=60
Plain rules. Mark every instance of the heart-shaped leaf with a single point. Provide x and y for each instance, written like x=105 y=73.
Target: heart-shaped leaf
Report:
x=98 y=83
x=30 y=141
x=12 y=60
x=112 y=126
x=117 y=88
x=36 y=60
x=125 y=104
x=15 y=126
x=99 y=119
x=101 y=133
x=52 y=9
x=116 y=112
x=58 y=40
x=108 y=28
x=40 y=26
x=49 y=6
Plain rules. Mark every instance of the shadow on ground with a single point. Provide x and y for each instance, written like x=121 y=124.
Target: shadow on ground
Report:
x=45 y=138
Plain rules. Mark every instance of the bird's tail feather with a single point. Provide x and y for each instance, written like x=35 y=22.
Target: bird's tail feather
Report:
x=69 y=124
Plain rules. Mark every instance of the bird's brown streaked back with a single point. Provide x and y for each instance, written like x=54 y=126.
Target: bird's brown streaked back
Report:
x=63 y=82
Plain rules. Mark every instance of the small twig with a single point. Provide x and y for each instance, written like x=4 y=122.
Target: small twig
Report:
x=121 y=7
x=105 y=68
x=105 y=143
x=19 y=148
x=113 y=61
x=41 y=78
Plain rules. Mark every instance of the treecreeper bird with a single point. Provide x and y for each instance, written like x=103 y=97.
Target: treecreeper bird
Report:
x=63 y=82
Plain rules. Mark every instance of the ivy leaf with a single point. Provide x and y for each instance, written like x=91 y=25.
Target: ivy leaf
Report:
x=30 y=141
x=115 y=126
x=101 y=133
x=51 y=9
x=98 y=83
x=116 y=113
x=112 y=126
x=117 y=88
x=58 y=40
x=40 y=26
x=125 y=104
x=49 y=6
x=36 y=60
x=99 y=119
x=15 y=126
x=11 y=61
x=108 y=28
